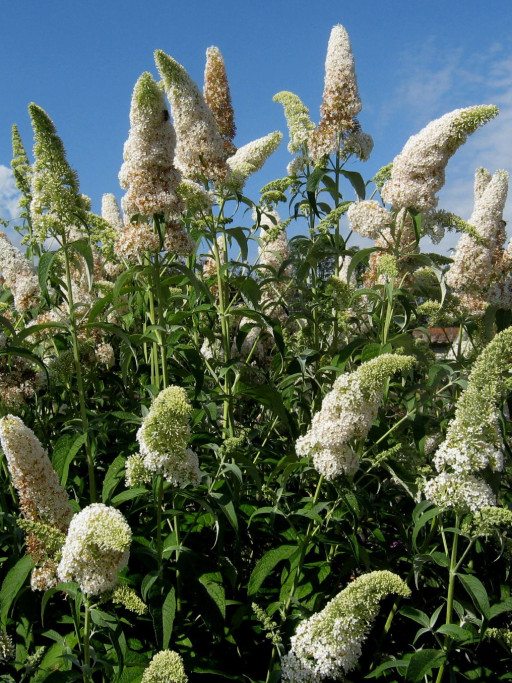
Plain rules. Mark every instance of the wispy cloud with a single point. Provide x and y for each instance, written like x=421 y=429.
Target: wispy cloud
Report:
x=9 y=195
x=435 y=80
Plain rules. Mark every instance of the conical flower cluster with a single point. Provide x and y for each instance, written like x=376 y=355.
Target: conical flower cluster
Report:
x=473 y=440
x=200 y=147
x=418 y=172
x=479 y=273
x=250 y=158
x=218 y=97
x=348 y=412
x=165 y=667
x=56 y=201
x=96 y=549
x=341 y=102
x=163 y=438
x=329 y=644
x=148 y=173
x=42 y=499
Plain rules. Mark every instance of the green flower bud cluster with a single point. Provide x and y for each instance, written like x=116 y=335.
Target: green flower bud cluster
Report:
x=165 y=667
x=126 y=596
x=163 y=439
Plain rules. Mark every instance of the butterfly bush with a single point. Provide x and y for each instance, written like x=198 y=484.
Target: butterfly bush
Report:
x=473 y=440
x=148 y=173
x=418 y=172
x=329 y=644
x=341 y=102
x=348 y=411
x=218 y=97
x=96 y=549
x=479 y=270
x=200 y=150
x=56 y=201
x=368 y=218
x=42 y=498
x=250 y=158
x=165 y=667
x=163 y=439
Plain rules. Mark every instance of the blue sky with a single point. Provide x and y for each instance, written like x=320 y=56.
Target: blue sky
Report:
x=414 y=60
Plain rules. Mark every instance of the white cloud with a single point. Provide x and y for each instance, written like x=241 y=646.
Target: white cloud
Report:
x=436 y=80
x=9 y=195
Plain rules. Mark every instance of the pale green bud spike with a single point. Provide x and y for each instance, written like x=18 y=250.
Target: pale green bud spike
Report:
x=126 y=596
x=56 y=203
x=20 y=166
x=297 y=119
x=146 y=92
x=171 y=71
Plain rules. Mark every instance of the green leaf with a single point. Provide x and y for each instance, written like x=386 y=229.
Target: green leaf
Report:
x=64 y=452
x=83 y=248
x=456 y=632
x=440 y=559
x=215 y=590
x=400 y=664
x=43 y=270
x=24 y=353
x=128 y=495
x=500 y=607
x=266 y=564
x=422 y=662
x=476 y=590
x=416 y=615
x=422 y=520
x=114 y=475
x=12 y=584
x=360 y=256
x=168 y=614
x=357 y=183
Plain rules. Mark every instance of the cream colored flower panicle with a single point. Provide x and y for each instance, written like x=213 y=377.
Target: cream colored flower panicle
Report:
x=368 y=218
x=274 y=248
x=19 y=275
x=418 y=172
x=218 y=97
x=111 y=212
x=96 y=549
x=250 y=158
x=43 y=501
x=328 y=644
x=478 y=272
x=348 y=412
x=200 y=147
x=341 y=102
x=473 y=440
x=42 y=498
x=165 y=667
x=148 y=173
x=163 y=438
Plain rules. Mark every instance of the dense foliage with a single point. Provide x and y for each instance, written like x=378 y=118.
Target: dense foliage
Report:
x=227 y=455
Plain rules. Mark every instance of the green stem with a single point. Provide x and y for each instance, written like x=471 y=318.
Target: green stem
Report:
x=227 y=418
x=87 y=643
x=451 y=593
x=159 y=505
